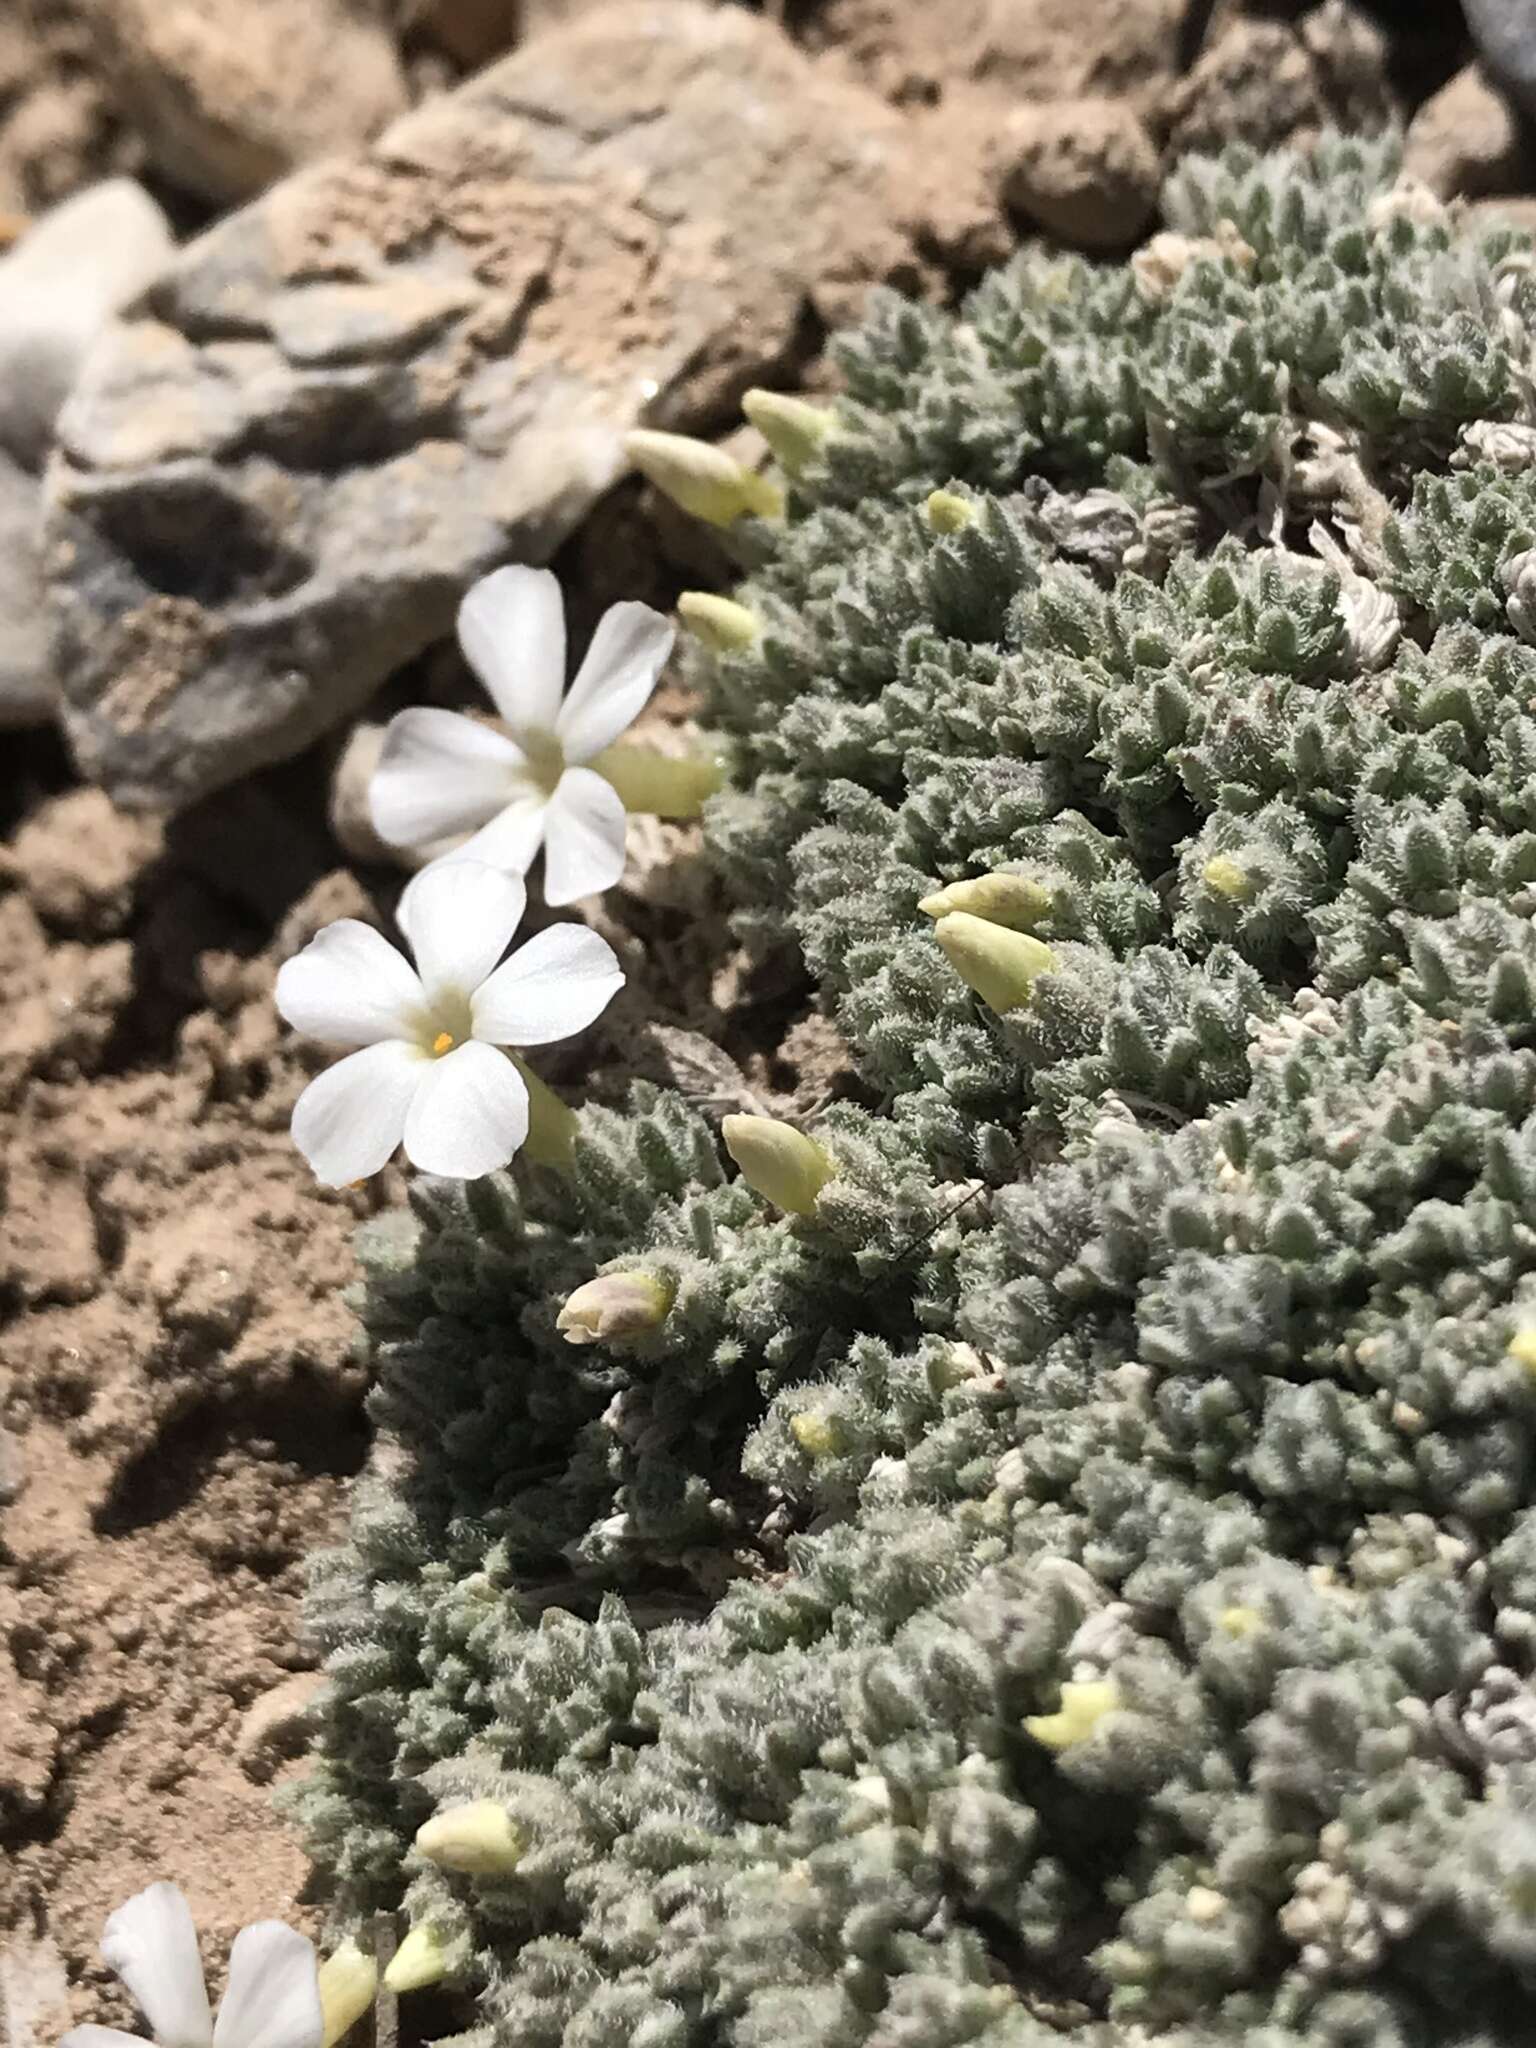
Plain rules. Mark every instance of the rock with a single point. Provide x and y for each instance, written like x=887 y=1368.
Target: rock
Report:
x=1272 y=82
x=1084 y=170
x=400 y=369
x=59 y=287
x=277 y=1725
x=1465 y=141
x=230 y=96
x=473 y=31
x=1505 y=34
x=12 y=1470
x=27 y=692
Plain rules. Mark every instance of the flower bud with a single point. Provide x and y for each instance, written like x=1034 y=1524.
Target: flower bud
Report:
x=477 y=1840
x=793 y=428
x=1013 y=900
x=817 y=1435
x=551 y=1122
x=420 y=1960
x=701 y=478
x=1002 y=966
x=723 y=625
x=1227 y=878
x=667 y=785
x=1084 y=1703
x=349 y=1982
x=778 y=1162
x=1522 y=1347
x=948 y=512
x=615 y=1305
x=1240 y=1621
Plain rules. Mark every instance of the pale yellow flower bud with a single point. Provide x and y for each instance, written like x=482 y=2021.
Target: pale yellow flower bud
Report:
x=420 y=1960
x=948 y=512
x=349 y=1982
x=1522 y=1347
x=667 y=785
x=1227 y=879
x=793 y=428
x=1083 y=1706
x=614 y=1305
x=701 y=478
x=551 y=1122
x=1240 y=1621
x=723 y=625
x=778 y=1162
x=817 y=1435
x=1002 y=966
x=477 y=1840
x=1013 y=900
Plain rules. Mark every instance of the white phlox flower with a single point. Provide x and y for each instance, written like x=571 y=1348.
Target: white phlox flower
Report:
x=429 y=1072
x=272 y=1998
x=442 y=774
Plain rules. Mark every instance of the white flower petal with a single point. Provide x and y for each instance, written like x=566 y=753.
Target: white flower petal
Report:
x=551 y=988
x=459 y=916
x=512 y=631
x=349 y=986
x=470 y=1114
x=512 y=837
x=614 y=683
x=151 y=1942
x=583 y=837
x=101 y=2037
x=350 y=1118
x=440 y=773
x=272 y=1999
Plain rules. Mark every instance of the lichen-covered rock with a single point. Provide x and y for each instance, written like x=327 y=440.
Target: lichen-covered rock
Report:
x=399 y=368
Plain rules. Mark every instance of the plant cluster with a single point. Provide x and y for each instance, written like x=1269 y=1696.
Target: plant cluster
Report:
x=1049 y=1549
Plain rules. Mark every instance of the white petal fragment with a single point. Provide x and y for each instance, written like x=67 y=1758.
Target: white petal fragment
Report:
x=614 y=684
x=512 y=631
x=459 y=916
x=151 y=1942
x=100 y=2037
x=349 y=986
x=551 y=988
x=470 y=1114
x=272 y=1999
x=583 y=837
x=440 y=773
x=350 y=1119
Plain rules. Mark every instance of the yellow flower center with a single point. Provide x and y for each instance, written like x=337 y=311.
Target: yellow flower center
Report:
x=444 y=1042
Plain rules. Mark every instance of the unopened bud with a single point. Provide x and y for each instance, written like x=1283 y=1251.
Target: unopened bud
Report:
x=1522 y=1347
x=614 y=1305
x=1227 y=879
x=1239 y=1621
x=793 y=428
x=420 y=1960
x=948 y=512
x=349 y=1982
x=667 y=785
x=477 y=1840
x=1002 y=966
x=817 y=1435
x=551 y=1122
x=720 y=623
x=778 y=1162
x=1083 y=1706
x=1013 y=900
x=701 y=478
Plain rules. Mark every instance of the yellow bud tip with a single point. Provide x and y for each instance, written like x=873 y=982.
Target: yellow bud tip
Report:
x=817 y=1435
x=551 y=1136
x=1012 y=900
x=477 y=1840
x=778 y=1162
x=615 y=1305
x=1083 y=1707
x=1227 y=879
x=1240 y=1621
x=1522 y=1346
x=794 y=429
x=948 y=512
x=443 y=1042
x=1002 y=966
x=349 y=1982
x=666 y=785
x=702 y=479
x=416 y=1963
x=720 y=623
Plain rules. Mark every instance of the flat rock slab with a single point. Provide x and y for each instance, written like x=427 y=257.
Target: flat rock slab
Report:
x=401 y=368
